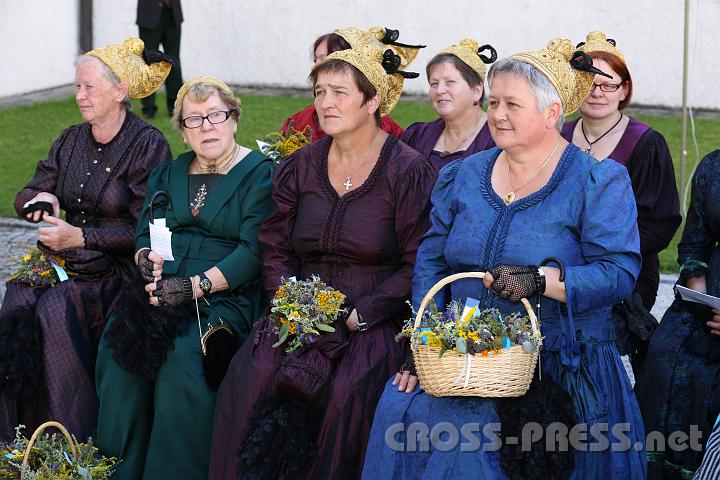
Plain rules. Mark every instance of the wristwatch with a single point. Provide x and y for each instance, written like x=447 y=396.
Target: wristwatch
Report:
x=362 y=324
x=541 y=280
x=205 y=284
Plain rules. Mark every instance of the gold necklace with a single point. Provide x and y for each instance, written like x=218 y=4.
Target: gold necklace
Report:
x=348 y=178
x=510 y=197
x=447 y=151
x=214 y=167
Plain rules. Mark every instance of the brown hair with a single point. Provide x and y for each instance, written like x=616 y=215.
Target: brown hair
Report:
x=468 y=74
x=361 y=82
x=622 y=70
x=334 y=43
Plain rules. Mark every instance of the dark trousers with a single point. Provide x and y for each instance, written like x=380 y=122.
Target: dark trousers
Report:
x=167 y=33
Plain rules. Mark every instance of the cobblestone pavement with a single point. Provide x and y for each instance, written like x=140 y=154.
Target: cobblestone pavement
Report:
x=14 y=232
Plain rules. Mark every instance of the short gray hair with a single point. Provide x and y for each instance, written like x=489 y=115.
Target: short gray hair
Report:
x=543 y=91
x=109 y=74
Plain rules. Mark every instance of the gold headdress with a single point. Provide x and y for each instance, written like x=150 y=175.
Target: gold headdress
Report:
x=571 y=72
x=128 y=62
x=380 y=37
x=470 y=54
x=597 y=42
x=382 y=69
x=194 y=81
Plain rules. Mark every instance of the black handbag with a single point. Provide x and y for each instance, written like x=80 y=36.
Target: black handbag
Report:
x=219 y=344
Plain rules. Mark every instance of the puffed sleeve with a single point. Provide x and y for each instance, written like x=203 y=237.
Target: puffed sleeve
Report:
x=697 y=241
x=244 y=264
x=410 y=134
x=148 y=151
x=411 y=197
x=275 y=236
x=609 y=241
x=46 y=172
x=431 y=265
x=652 y=176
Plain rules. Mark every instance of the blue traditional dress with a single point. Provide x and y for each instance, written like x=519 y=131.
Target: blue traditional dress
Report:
x=585 y=215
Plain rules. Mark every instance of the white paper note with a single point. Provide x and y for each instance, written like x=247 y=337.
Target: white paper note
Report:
x=161 y=241
x=697 y=297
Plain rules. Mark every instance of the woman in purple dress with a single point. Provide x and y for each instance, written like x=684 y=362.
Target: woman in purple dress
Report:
x=456 y=76
x=604 y=131
x=350 y=208
x=96 y=172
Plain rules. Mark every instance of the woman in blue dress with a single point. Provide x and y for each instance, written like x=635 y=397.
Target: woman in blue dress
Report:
x=503 y=211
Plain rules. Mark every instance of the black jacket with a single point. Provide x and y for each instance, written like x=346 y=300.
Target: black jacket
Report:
x=148 y=12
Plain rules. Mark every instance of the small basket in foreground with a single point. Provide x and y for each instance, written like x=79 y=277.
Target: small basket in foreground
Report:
x=507 y=373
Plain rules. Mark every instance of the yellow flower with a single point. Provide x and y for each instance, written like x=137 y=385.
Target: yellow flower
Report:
x=293 y=328
x=44 y=273
x=27 y=257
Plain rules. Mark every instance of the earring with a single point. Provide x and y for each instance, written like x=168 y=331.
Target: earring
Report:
x=185 y=143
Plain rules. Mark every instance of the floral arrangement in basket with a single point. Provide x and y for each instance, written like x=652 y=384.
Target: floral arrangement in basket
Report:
x=52 y=457
x=302 y=310
x=39 y=269
x=277 y=146
x=464 y=328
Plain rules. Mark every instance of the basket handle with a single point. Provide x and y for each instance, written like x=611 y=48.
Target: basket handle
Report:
x=458 y=276
x=70 y=439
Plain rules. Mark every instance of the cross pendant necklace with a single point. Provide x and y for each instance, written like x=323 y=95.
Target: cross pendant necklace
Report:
x=348 y=178
x=588 y=150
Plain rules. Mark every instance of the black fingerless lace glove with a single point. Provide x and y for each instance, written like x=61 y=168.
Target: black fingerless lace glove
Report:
x=174 y=291
x=513 y=282
x=146 y=266
x=409 y=365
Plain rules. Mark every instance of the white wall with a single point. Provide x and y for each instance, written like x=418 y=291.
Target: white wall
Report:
x=267 y=42
x=38 y=44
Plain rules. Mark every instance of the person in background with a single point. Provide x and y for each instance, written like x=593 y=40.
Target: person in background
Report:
x=456 y=76
x=160 y=23
x=350 y=208
x=156 y=388
x=96 y=172
x=677 y=383
x=604 y=131
x=306 y=120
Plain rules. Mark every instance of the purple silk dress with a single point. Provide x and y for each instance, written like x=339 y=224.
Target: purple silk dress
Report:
x=422 y=136
x=101 y=188
x=645 y=154
x=363 y=244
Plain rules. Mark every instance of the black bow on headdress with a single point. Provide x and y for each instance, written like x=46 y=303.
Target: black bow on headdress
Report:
x=485 y=59
x=391 y=37
x=582 y=61
x=391 y=64
x=155 y=56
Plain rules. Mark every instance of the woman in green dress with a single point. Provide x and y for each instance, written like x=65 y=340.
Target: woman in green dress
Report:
x=155 y=382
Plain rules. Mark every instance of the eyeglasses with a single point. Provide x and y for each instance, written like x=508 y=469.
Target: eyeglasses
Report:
x=606 y=87
x=214 y=118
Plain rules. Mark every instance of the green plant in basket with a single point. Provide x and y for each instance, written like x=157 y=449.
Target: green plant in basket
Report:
x=277 y=146
x=469 y=330
x=51 y=459
x=302 y=310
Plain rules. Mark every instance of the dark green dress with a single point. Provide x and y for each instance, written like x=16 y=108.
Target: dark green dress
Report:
x=163 y=429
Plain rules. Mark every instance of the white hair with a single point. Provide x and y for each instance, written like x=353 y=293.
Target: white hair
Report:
x=541 y=88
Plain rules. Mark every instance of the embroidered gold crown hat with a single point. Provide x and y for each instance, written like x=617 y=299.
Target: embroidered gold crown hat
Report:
x=383 y=38
x=209 y=79
x=382 y=69
x=143 y=71
x=570 y=71
x=598 y=42
x=470 y=54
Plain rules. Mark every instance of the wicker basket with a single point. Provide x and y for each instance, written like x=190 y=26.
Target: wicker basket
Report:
x=504 y=374
x=70 y=439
